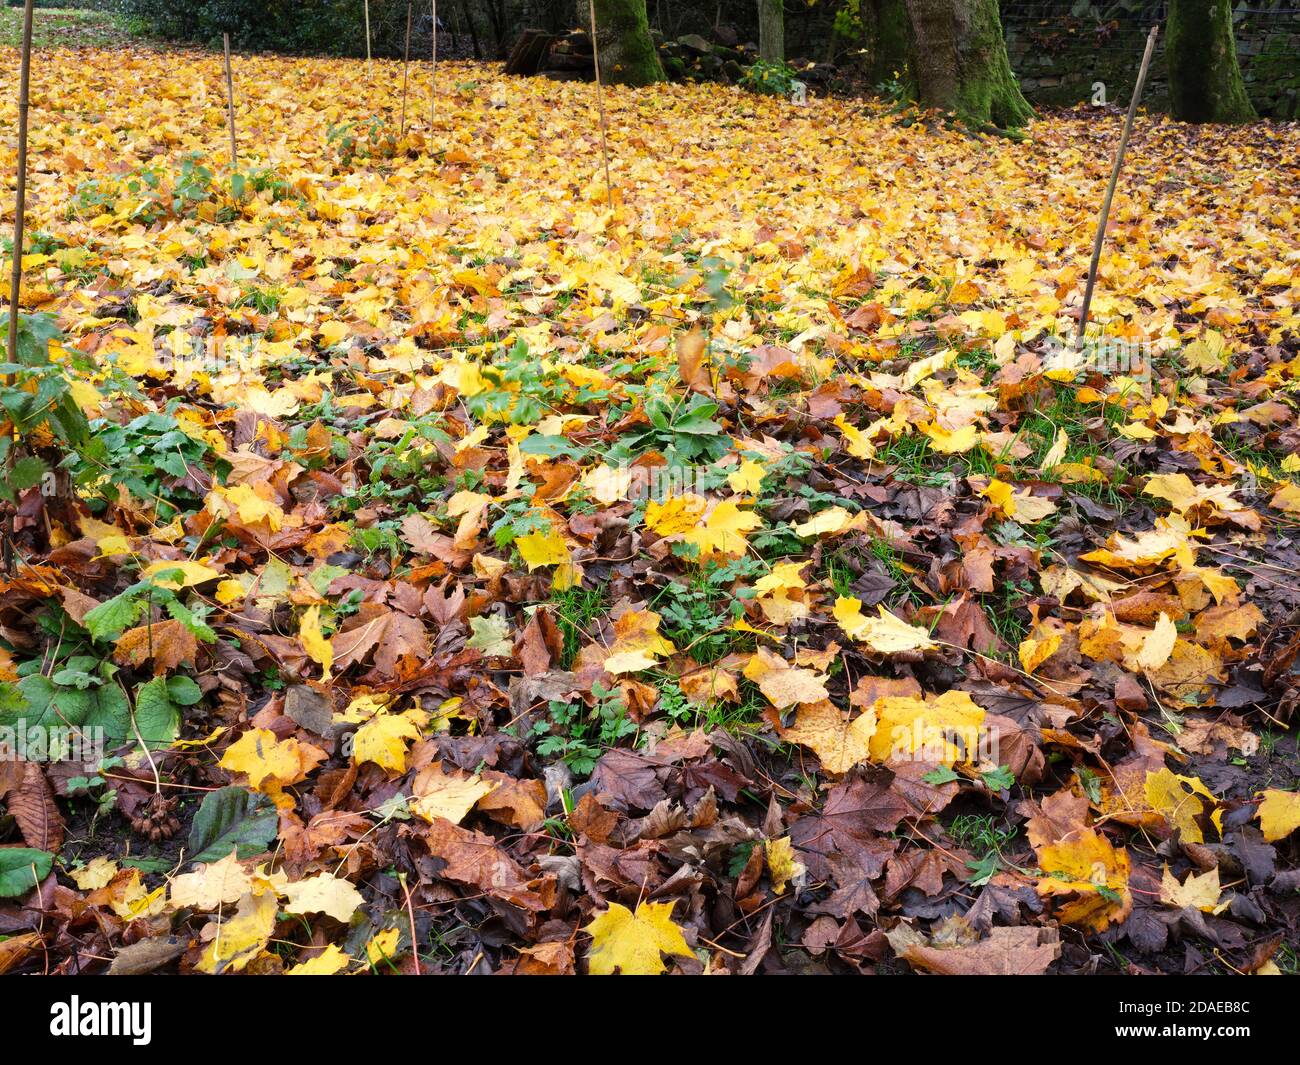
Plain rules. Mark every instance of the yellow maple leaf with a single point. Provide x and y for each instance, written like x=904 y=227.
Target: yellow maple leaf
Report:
x=542 y=549
x=723 y=532
x=634 y=943
x=1279 y=813
x=747 y=479
x=1085 y=864
x=1181 y=801
x=838 y=742
x=383 y=946
x=675 y=515
x=781 y=864
x=328 y=962
x=313 y=640
x=943 y=728
x=210 y=885
x=950 y=441
x=241 y=938
x=439 y=794
x=885 y=633
x=1201 y=892
x=322 y=893
x=268 y=762
x=637 y=643
x=188 y=573
x=383 y=740
x=784 y=684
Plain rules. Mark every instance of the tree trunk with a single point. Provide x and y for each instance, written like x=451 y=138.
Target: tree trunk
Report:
x=887 y=33
x=771 y=31
x=1204 y=78
x=627 y=54
x=959 y=62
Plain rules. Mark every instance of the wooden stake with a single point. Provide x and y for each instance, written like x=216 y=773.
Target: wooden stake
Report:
x=367 y=39
x=406 y=59
x=230 y=106
x=20 y=200
x=433 y=76
x=1110 y=189
x=16 y=277
x=600 y=103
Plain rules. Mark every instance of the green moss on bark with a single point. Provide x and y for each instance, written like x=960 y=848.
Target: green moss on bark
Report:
x=959 y=63
x=1205 y=83
x=627 y=54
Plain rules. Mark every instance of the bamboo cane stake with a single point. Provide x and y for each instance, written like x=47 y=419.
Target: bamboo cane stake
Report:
x=1110 y=189
x=600 y=103
x=433 y=76
x=406 y=59
x=20 y=199
x=230 y=105
x=16 y=275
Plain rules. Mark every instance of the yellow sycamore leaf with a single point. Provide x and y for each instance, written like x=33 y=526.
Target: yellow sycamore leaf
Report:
x=438 y=794
x=383 y=740
x=885 y=633
x=1001 y=495
x=1056 y=453
x=247 y=504
x=1201 y=892
x=240 y=938
x=230 y=591
x=637 y=643
x=826 y=523
x=1136 y=431
x=318 y=648
x=839 y=742
x=856 y=441
x=542 y=549
x=723 y=532
x=607 y=484
x=1086 y=865
x=1034 y=651
x=1279 y=813
x=96 y=873
x=269 y=761
x=1287 y=498
x=328 y=962
x=784 y=577
x=747 y=478
x=782 y=868
x=323 y=893
x=383 y=947
x=675 y=515
x=943 y=728
x=1183 y=494
x=183 y=574
x=784 y=684
x=1183 y=802
x=950 y=442
x=211 y=885
x=1158 y=645
x=633 y=944
x=1208 y=353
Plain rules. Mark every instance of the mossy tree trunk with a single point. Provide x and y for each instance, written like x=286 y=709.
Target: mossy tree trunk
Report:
x=771 y=31
x=1204 y=77
x=959 y=62
x=627 y=54
x=888 y=41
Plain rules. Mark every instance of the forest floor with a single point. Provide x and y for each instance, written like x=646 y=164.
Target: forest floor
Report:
x=732 y=572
